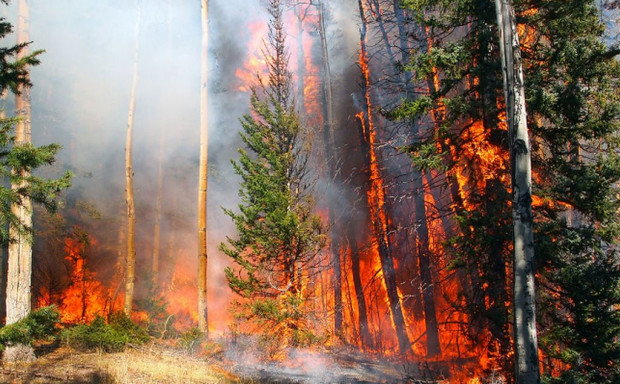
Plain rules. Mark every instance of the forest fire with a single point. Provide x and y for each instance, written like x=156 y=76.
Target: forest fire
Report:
x=255 y=67
x=85 y=297
x=381 y=215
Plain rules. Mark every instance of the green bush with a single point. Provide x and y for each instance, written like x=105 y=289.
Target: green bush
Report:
x=110 y=337
x=38 y=325
x=191 y=339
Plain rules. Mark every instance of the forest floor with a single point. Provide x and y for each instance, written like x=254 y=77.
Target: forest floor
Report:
x=160 y=362
x=148 y=364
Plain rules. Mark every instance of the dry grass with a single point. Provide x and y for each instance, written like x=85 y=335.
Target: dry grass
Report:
x=149 y=365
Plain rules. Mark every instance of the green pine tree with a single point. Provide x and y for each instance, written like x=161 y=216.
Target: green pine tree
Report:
x=13 y=74
x=278 y=233
x=573 y=106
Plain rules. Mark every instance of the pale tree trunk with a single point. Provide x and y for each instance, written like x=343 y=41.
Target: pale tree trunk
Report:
x=130 y=267
x=160 y=176
x=300 y=11
x=526 y=345
x=158 y=207
x=203 y=322
x=331 y=159
x=19 y=273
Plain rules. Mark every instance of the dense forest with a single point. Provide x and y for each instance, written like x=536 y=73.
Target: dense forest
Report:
x=431 y=182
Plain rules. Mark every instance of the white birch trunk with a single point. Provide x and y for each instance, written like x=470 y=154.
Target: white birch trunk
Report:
x=525 y=337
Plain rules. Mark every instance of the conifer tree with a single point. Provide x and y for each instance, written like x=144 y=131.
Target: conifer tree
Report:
x=278 y=234
x=571 y=83
x=17 y=163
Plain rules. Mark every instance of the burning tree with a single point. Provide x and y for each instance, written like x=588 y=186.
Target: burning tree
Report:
x=279 y=236
x=571 y=93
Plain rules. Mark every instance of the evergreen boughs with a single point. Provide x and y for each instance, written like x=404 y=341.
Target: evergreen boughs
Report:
x=38 y=325
x=278 y=234
x=17 y=162
x=573 y=108
x=112 y=336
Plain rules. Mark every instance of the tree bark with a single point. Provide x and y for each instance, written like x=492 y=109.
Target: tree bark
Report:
x=433 y=347
x=331 y=160
x=130 y=258
x=376 y=199
x=362 y=310
x=158 y=207
x=19 y=273
x=160 y=172
x=526 y=344
x=203 y=323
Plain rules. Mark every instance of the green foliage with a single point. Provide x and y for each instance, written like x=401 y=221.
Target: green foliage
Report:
x=278 y=234
x=191 y=339
x=113 y=336
x=18 y=162
x=38 y=325
x=573 y=108
x=277 y=230
x=159 y=322
x=426 y=156
x=277 y=323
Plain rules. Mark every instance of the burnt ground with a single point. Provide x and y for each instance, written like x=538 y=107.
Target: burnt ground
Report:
x=164 y=362
x=335 y=366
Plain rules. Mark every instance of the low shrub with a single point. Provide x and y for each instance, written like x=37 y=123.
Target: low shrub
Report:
x=191 y=339
x=113 y=336
x=38 y=325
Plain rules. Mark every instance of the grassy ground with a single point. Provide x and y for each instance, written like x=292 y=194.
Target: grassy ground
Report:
x=149 y=364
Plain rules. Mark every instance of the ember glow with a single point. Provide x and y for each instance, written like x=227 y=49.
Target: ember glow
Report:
x=393 y=284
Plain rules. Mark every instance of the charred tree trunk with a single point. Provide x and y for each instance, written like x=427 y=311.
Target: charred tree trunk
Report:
x=433 y=348
x=19 y=273
x=130 y=260
x=362 y=310
x=4 y=251
x=525 y=336
x=332 y=163
x=376 y=199
x=203 y=322
x=423 y=251
x=426 y=280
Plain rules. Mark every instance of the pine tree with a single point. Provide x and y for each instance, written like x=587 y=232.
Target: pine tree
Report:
x=278 y=234
x=572 y=94
x=571 y=83
x=17 y=163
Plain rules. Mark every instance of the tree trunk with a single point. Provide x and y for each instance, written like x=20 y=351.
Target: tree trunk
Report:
x=433 y=347
x=362 y=310
x=376 y=199
x=526 y=345
x=424 y=253
x=300 y=13
x=160 y=171
x=158 y=207
x=331 y=159
x=203 y=323
x=19 y=273
x=130 y=260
